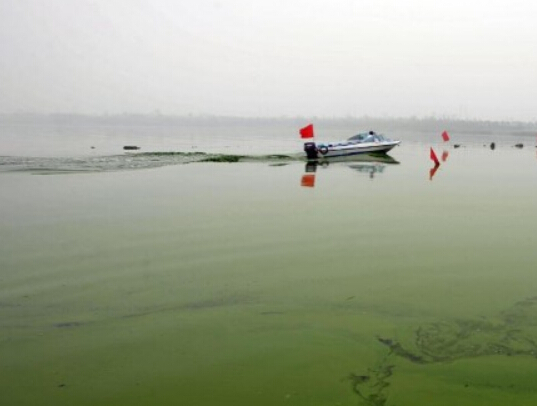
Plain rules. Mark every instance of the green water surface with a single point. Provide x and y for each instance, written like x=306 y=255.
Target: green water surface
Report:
x=232 y=284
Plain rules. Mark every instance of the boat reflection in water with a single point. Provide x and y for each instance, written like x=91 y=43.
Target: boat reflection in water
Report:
x=370 y=164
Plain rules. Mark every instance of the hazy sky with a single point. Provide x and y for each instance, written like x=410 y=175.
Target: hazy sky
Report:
x=464 y=58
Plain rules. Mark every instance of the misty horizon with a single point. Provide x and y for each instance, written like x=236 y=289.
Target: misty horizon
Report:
x=428 y=124
x=158 y=114
x=465 y=61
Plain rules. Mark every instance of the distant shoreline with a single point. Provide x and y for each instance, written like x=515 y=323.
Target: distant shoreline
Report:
x=386 y=123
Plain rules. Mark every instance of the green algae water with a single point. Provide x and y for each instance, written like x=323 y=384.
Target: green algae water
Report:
x=375 y=282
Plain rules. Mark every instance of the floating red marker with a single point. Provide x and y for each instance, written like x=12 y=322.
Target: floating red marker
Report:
x=307 y=132
x=308 y=180
x=445 y=156
x=445 y=136
x=434 y=158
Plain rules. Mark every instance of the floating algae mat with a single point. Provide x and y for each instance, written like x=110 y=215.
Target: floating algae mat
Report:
x=128 y=161
x=448 y=341
x=217 y=284
x=512 y=333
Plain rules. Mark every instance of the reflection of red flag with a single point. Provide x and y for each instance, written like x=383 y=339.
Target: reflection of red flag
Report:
x=308 y=180
x=445 y=155
x=307 y=132
x=432 y=171
x=434 y=158
x=445 y=136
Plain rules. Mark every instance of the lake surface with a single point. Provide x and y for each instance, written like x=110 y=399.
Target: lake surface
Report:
x=267 y=281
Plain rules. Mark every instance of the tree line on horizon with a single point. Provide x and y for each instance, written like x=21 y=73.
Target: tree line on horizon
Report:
x=364 y=122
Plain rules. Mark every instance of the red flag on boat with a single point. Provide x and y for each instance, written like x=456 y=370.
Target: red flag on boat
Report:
x=307 y=132
x=445 y=136
x=308 y=180
x=434 y=158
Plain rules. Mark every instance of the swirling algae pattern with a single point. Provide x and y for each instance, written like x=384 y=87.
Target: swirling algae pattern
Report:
x=512 y=333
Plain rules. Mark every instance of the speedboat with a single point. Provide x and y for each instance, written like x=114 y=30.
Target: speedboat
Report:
x=361 y=143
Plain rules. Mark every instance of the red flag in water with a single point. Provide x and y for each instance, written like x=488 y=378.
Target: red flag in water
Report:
x=445 y=155
x=432 y=171
x=434 y=158
x=308 y=180
x=307 y=132
x=445 y=136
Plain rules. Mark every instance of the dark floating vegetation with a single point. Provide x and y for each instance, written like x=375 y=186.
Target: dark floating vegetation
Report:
x=196 y=156
x=371 y=388
x=397 y=349
x=223 y=158
x=246 y=158
x=512 y=333
x=446 y=341
x=170 y=153
x=128 y=161
x=189 y=157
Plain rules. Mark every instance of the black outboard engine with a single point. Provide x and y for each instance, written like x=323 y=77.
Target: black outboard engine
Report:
x=311 y=150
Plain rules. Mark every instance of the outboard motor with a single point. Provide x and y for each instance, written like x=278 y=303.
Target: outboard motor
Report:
x=311 y=150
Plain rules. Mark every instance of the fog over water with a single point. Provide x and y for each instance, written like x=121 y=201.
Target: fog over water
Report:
x=469 y=60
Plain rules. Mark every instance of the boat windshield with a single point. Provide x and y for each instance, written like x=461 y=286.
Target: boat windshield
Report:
x=371 y=136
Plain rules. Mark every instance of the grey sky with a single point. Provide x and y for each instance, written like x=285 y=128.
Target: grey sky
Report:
x=471 y=59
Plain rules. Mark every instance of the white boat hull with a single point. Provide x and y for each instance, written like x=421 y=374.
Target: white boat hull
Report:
x=348 y=149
